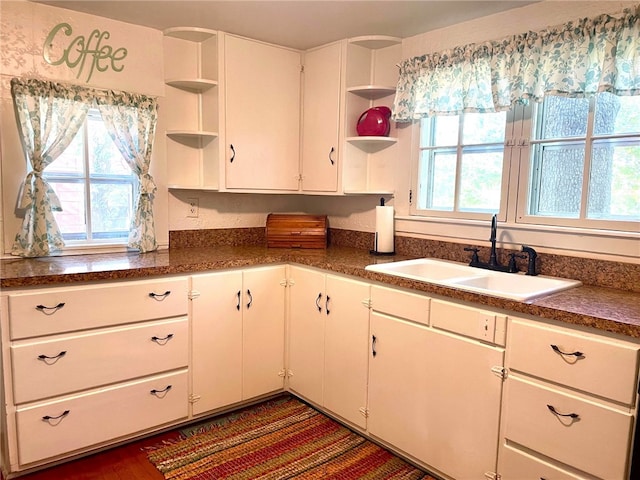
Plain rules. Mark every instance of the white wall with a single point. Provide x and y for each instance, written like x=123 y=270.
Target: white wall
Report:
x=24 y=26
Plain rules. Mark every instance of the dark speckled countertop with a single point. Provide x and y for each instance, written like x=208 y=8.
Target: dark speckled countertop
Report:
x=605 y=309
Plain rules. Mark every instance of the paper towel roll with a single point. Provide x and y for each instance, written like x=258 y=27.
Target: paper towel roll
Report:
x=384 y=230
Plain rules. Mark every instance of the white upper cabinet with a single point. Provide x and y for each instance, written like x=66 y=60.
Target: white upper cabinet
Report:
x=321 y=118
x=262 y=115
x=191 y=105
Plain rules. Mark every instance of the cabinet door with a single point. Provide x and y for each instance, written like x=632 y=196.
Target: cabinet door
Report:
x=216 y=340
x=399 y=390
x=262 y=84
x=321 y=115
x=306 y=333
x=463 y=409
x=346 y=349
x=263 y=331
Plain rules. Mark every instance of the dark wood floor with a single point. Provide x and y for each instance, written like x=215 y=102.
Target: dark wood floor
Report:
x=127 y=462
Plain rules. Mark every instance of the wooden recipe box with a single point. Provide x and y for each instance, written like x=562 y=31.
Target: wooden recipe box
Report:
x=296 y=231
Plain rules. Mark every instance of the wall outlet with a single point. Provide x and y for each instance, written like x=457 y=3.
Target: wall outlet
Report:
x=193 y=207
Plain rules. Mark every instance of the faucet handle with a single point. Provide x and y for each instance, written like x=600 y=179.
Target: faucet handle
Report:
x=513 y=267
x=474 y=257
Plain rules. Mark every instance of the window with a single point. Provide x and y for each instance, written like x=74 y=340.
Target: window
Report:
x=585 y=162
x=461 y=165
x=95 y=186
x=575 y=164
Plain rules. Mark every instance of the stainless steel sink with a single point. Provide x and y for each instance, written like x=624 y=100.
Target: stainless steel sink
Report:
x=513 y=286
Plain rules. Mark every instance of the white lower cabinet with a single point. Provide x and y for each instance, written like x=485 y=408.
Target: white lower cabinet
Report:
x=237 y=336
x=570 y=403
x=328 y=330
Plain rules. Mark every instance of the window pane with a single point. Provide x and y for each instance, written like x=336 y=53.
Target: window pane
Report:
x=482 y=128
x=614 y=183
x=556 y=184
x=439 y=131
x=71 y=160
x=438 y=176
x=480 y=181
x=104 y=156
x=111 y=209
x=72 y=219
x=616 y=115
x=564 y=117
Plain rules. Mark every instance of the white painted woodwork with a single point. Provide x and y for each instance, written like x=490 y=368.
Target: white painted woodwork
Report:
x=400 y=303
x=515 y=465
x=263 y=330
x=307 y=301
x=469 y=321
x=346 y=348
x=321 y=118
x=216 y=340
x=607 y=367
x=92 y=306
x=99 y=416
x=399 y=391
x=462 y=412
x=597 y=442
x=97 y=357
x=262 y=109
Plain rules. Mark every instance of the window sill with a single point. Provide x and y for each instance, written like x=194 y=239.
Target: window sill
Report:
x=595 y=244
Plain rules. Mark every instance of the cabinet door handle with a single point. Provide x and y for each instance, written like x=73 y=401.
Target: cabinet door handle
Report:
x=374 y=339
x=326 y=304
x=556 y=349
x=161 y=393
x=49 y=310
x=239 y=297
x=250 y=298
x=331 y=155
x=162 y=340
x=51 y=360
x=233 y=153
x=48 y=418
x=160 y=296
x=573 y=416
x=318 y=302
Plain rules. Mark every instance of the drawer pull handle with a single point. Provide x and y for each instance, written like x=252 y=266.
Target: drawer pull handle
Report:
x=49 y=310
x=162 y=340
x=160 y=296
x=318 y=302
x=573 y=416
x=49 y=418
x=326 y=305
x=373 y=345
x=331 y=155
x=239 y=296
x=567 y=354
x=51 y=360
x=250 y=298
x=161 y=393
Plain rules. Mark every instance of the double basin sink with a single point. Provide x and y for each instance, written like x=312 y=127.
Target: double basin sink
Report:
x=513 y=286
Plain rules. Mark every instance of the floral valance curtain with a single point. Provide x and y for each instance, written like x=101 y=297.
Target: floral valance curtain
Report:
x=49 y=116
x=580 y=58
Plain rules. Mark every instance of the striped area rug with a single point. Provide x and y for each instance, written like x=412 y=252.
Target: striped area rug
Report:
x=276 y=440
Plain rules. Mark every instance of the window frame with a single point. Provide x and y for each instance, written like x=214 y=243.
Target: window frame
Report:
x=88 y=179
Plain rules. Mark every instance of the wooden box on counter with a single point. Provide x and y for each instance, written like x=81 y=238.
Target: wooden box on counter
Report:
x=296 y=231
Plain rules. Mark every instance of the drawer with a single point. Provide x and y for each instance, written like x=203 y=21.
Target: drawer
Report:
x=596 y=442
x=606 y=367
x=100 y=416
x=468 y=321
x=518 y=465
x=401 y=304
x=58 y=310
x=70 y=363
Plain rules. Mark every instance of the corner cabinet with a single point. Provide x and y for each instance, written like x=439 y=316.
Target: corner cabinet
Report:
x=191 y=104
x=262 y=115
x=371 y=75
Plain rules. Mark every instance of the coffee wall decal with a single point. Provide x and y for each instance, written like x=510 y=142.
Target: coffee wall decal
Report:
x=85 y=53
